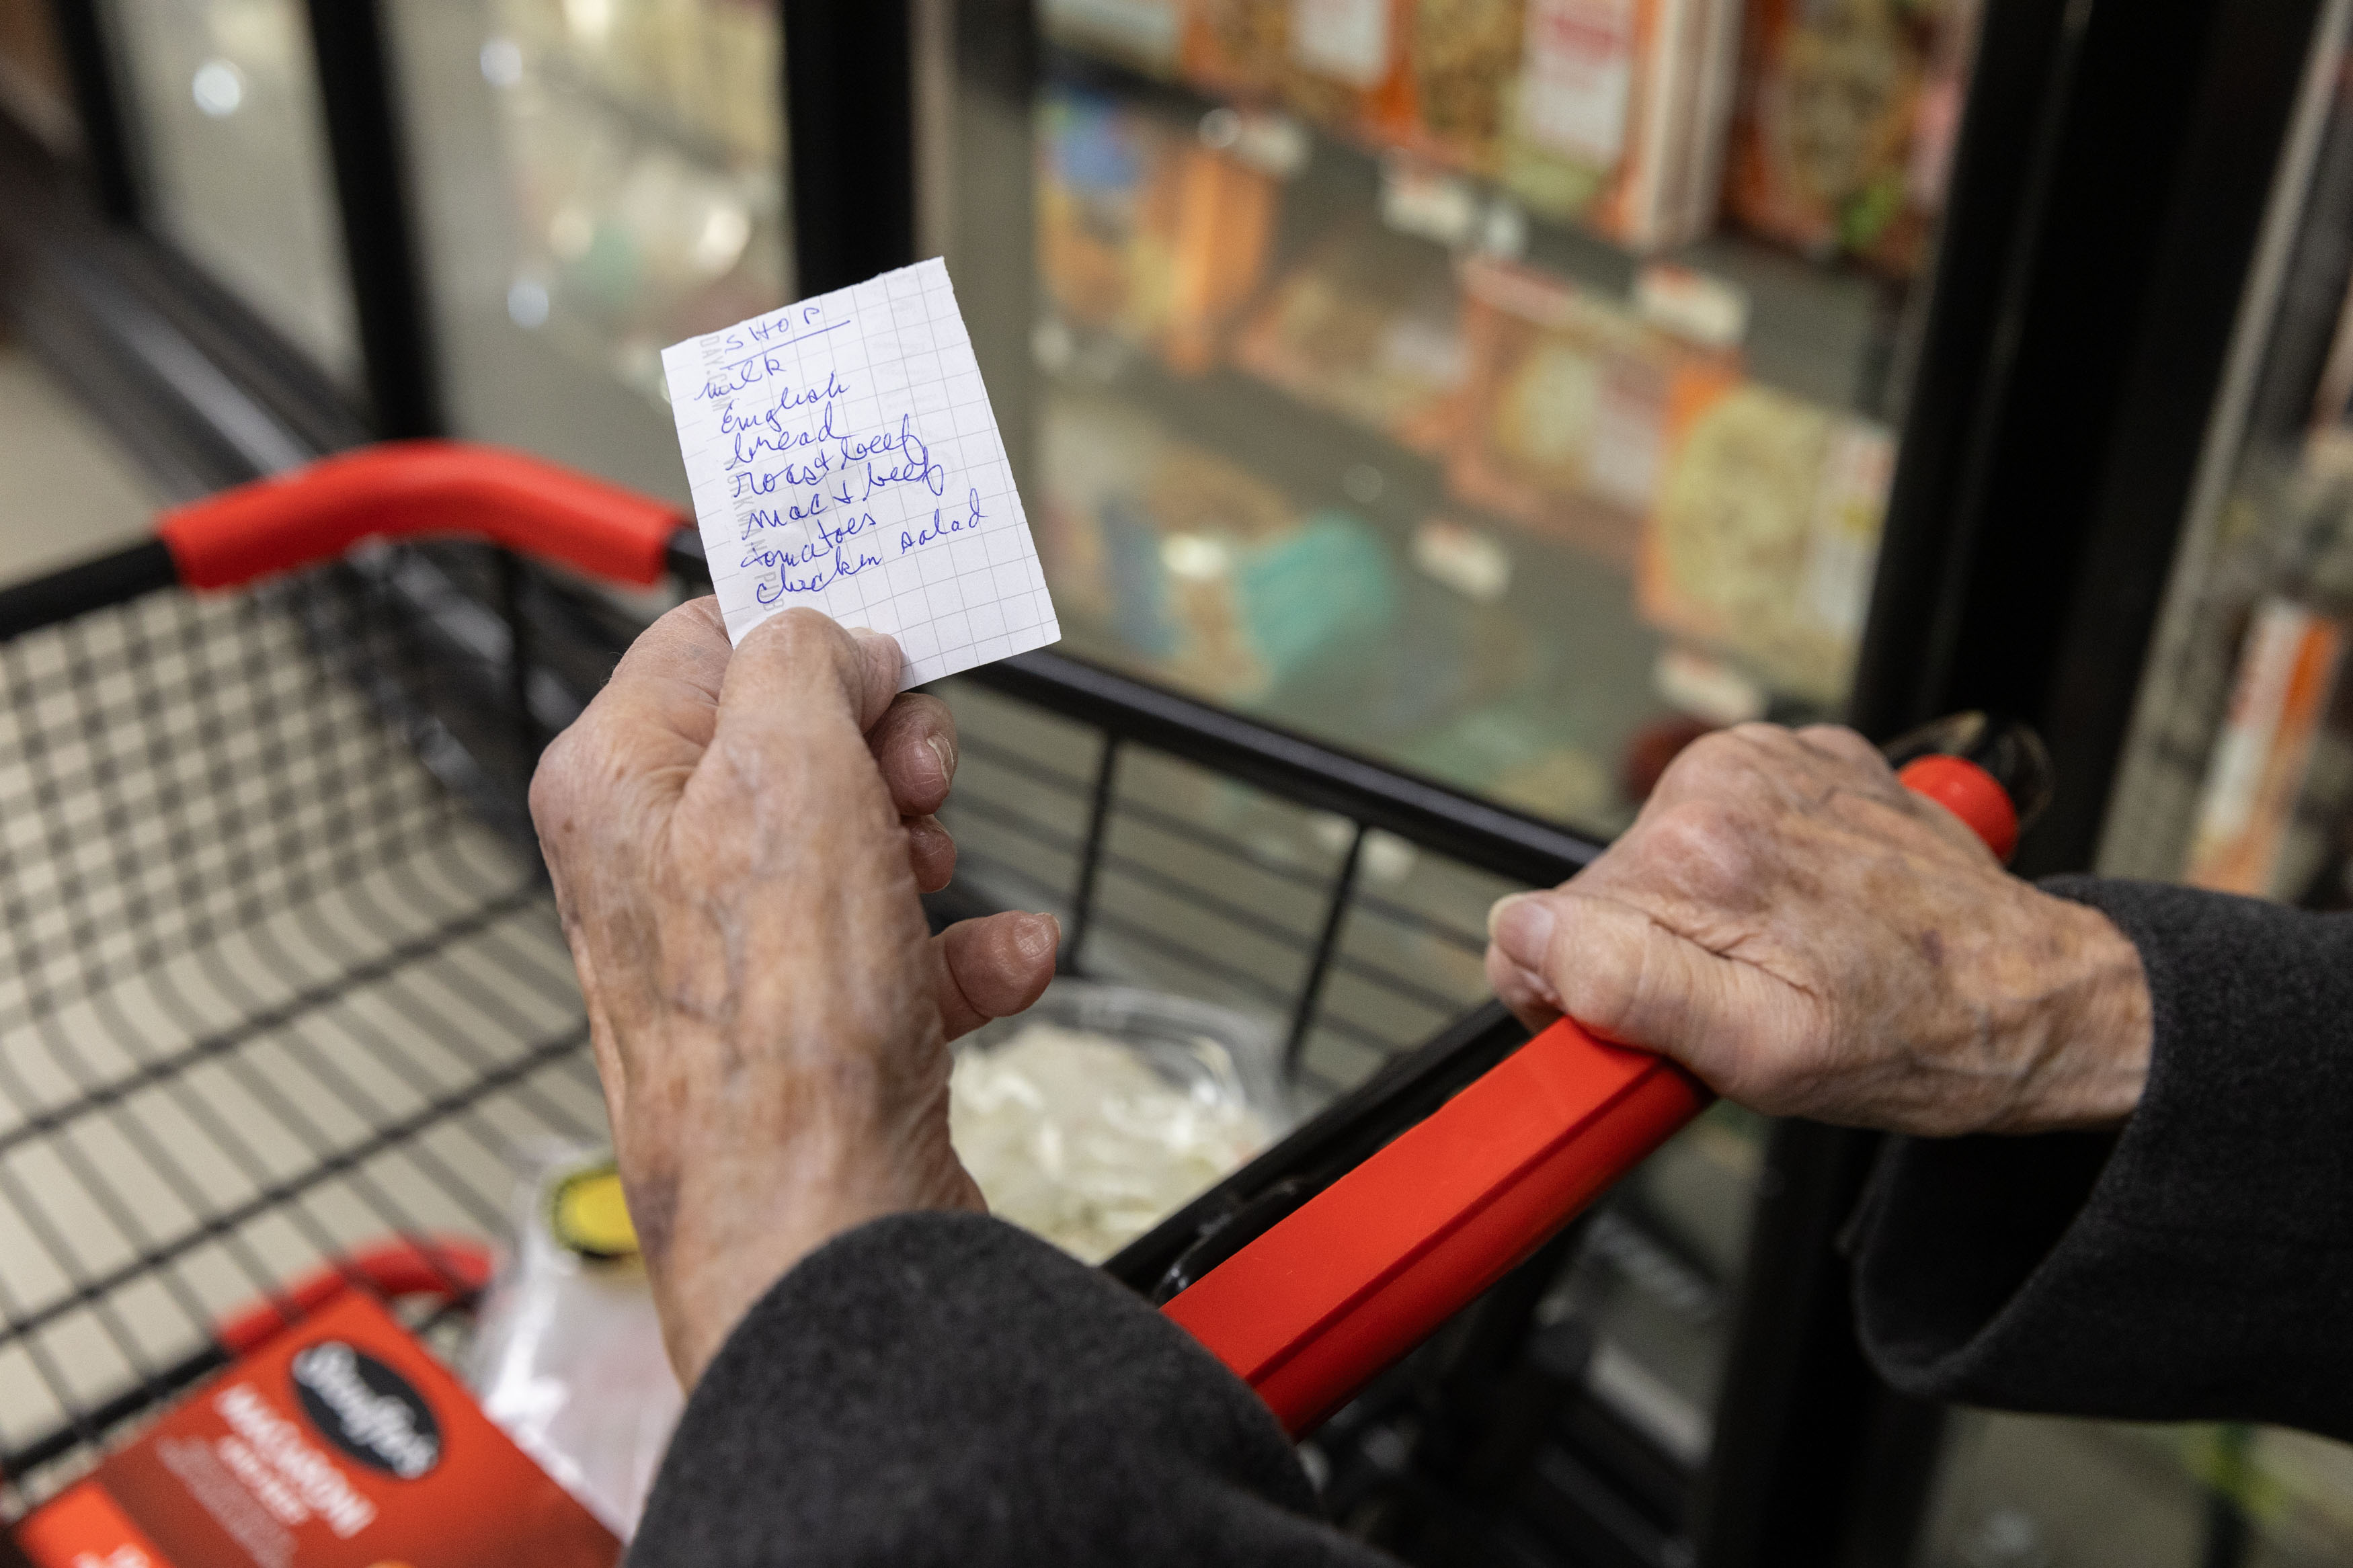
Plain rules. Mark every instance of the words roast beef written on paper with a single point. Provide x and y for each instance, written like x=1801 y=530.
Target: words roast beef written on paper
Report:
x=842 y=454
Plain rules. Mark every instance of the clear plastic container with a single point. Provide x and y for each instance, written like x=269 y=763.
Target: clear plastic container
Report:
x=1091 y=1116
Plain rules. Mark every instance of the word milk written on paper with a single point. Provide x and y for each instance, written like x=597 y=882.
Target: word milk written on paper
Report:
x=842 y=454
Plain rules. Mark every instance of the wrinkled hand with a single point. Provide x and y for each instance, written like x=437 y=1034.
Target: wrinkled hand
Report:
x=1812 y=939
x=737 y=844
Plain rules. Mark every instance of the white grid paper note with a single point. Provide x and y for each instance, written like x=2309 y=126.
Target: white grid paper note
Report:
x=842 y=454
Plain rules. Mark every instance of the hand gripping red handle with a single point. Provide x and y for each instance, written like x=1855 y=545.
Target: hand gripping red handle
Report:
x=408 y=488
x=1307 y=1313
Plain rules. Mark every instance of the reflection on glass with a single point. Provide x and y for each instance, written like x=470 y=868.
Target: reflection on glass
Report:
x=1500 y=387
x=232 y=153
x=633 y=196
x=643 y=142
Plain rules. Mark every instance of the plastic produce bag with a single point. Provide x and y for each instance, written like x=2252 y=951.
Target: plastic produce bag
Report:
x=568 y=1356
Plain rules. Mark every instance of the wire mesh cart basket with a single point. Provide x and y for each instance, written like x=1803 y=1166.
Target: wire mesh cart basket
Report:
x=279 y=985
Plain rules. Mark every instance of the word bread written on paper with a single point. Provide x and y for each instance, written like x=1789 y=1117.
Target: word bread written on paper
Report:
x=842 y=454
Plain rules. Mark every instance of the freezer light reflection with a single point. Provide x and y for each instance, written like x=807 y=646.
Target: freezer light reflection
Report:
x=724 y=234
x=502 y=62
x=591 y=19
x=527 y=304
x=219 y=89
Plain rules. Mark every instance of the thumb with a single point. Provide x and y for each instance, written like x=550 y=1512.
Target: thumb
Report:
x=992 y=967
x=1629 y=979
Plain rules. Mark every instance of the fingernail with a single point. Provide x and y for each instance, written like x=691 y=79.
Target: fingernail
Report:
x=945 y=752
x=1521 y=926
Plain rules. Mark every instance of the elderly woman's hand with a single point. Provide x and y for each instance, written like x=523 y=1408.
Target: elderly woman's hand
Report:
x=1812 y=939
x=737 y=842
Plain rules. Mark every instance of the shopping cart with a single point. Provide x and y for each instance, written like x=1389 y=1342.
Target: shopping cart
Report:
x=283 y=984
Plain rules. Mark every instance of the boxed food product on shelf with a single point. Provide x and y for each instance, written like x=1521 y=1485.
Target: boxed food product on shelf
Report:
x=1369 y=325
x=1568 y=404
x=1849 y=110
x=1618 y=114
x=2288 y=669
x=1144 y=231
x=1465 y=57
x=1764 y=531
x=1198 y=569
x=1340 y=63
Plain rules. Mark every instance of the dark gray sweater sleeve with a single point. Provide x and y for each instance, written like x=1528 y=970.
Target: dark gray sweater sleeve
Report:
x=2196 y=1265
x=945 y=1389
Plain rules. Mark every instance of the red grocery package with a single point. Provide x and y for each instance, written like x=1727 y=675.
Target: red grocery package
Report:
x=341 y=1443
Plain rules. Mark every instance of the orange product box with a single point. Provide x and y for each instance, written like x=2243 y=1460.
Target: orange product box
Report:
x=1142 y=231
x=1569 y=396
x=1764 y=531
x=1223 y=231
x=2287 y=671
x=341 y=1443
x=1843 y=137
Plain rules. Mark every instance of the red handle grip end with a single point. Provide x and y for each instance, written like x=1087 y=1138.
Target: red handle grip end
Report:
x=1969 y=793
x=402 y=490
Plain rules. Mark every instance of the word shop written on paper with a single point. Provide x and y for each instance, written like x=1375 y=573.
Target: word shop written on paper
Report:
x=842 y=454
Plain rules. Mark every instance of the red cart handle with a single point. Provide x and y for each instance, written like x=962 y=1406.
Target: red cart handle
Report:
x=1369 y=1268
x=402 y=489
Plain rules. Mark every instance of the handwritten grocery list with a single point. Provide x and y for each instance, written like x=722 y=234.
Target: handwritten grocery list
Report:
x=842 y=454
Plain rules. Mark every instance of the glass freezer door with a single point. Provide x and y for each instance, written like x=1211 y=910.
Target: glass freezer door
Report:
x=595 y=180
x=229 y=152
x=1501 y=388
